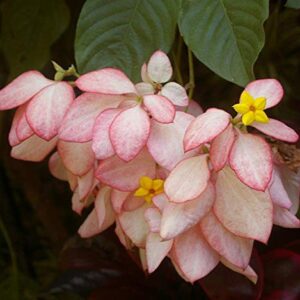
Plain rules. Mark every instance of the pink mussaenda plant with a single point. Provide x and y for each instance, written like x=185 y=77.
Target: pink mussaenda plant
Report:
x=130 y=125
x=42 y=105
x=195 y=187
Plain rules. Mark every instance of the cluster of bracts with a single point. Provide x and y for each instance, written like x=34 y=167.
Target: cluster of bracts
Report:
x=195 y=187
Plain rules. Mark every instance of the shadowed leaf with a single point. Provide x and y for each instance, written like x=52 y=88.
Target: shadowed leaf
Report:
x=123 y=34
x=225 y=35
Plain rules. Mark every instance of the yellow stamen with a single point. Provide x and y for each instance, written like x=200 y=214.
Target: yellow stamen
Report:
x=149 y=188
x=251 y=109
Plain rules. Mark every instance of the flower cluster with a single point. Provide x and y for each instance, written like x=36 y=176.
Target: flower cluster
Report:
x=176 y=182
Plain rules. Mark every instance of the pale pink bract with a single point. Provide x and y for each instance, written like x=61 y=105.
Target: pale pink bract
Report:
x=220 y=187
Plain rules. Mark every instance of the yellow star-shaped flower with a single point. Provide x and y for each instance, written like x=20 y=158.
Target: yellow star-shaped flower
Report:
x=149 y=188
x=251 y=109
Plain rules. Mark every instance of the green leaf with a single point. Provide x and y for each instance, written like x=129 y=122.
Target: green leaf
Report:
x=225 y=35
x=293 y=4
x=29 y=28
x=123 y=33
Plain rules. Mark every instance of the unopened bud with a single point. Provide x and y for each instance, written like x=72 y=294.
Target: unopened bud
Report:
x=57 y=67
x=59 y=76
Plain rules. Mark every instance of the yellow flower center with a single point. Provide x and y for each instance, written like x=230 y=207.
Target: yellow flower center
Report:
x=149 y=188
x=251 y=109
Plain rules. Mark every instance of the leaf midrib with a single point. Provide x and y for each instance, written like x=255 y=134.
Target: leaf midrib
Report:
x=125 y=36
x=234 y=36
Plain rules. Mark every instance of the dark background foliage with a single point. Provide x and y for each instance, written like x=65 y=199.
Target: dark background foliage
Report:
x=41 y=257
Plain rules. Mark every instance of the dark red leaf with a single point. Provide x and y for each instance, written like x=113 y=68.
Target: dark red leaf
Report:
x=282 y=269
x=224 y=284
x=101 y=268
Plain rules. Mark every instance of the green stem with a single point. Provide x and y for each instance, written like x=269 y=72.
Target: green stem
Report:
x=237 y=119
x=176 y=56
x=179 y=49
x=12 y=256
x=72 y=83
x=178 y=76
x=191 y=74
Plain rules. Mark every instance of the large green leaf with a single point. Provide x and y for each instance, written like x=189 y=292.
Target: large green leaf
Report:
x=293 y=4
x=226 y=35
x=123 y=33
x=28 y=30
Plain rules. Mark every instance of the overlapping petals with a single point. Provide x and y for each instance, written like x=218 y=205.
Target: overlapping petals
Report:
x=22 y=89
x=254 y=167
x=195 y=187
x=142 y=104
x=80 y=120
x=170 y=136
x=188 y=179
x=205 y=128
x=242 y=210
x=42 y=105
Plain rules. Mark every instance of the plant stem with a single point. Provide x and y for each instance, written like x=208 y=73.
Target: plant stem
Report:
x=178 y=76
x=191 y=74
x=176 y=56
x=179 y=49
